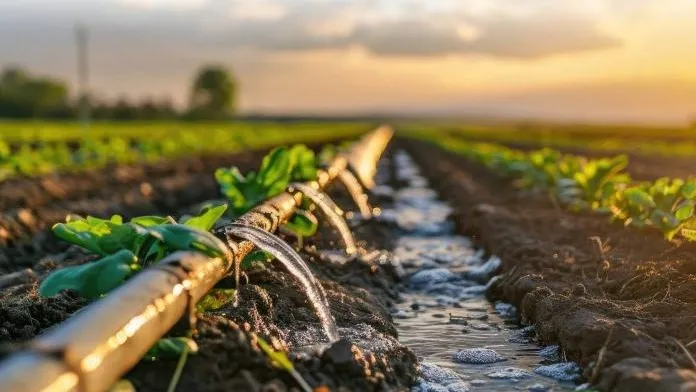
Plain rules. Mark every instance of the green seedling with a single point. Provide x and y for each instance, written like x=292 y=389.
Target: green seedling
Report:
x=304 y=163
x=667 y=204
x=207 y=218
x=170 y=348
x=594 y=181
x=278 y=169
x=215 y=299
x=302 y=224
x=244 y=192
x=94 y=279
x=280 y=360
x=257 y=257
x=128 y=246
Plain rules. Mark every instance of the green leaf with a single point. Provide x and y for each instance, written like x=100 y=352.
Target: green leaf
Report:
x=304 y=163
x=88 y=232
x=152 y=220
x=170 y=348
x=684 y=210
x=688 y=190
x=92 y=280
x=257 y=256
x=639 y=198
x=207 y=218
x=181 y=237
x=302 y=224
x=215 y=299
x=278 y=358
x=274 y=173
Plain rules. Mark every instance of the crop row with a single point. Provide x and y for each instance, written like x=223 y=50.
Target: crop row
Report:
x=645 y=143
x=599 y=185
x=123 y=251
x=99 y=149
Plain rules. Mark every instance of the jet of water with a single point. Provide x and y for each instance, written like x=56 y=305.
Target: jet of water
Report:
x=356 y=192
x=295 y=265
x=332 y=211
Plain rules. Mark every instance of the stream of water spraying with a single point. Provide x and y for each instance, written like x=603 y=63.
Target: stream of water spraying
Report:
x=356 y=192
x=332 y=212
x=295 y=265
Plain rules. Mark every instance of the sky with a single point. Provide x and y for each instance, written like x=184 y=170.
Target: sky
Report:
x=585 y=60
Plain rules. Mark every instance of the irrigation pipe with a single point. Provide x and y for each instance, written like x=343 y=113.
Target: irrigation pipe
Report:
x=95 y=347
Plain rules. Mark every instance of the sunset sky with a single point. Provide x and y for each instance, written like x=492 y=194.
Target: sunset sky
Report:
x=592 y=60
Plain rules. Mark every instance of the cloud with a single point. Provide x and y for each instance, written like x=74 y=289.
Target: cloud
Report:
x=316 y=25
x=413 y=28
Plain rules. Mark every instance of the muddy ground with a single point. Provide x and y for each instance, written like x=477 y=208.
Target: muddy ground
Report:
x=619 y=301
x=273 y=306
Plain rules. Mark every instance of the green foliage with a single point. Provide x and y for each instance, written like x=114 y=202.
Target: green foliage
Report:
x=213 y=93
x=302 y=224
x=40 y=148
x=244 y=192
x=280 y=360
x=215 y=299
x=207 y=218
x=170 y=348
x=92 y=280
x=125 y=247
x=304 y=163
x=278 y=169
x=596 y=180
x=257 y=257
x=599 y=185
x=666 y=204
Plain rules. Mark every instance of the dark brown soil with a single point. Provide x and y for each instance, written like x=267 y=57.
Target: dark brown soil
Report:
x=619 y=301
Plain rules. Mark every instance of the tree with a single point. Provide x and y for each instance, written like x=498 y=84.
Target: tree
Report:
x=24 y=96
x=212 y=94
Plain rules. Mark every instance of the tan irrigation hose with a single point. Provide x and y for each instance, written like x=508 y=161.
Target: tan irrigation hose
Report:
x=91 y=350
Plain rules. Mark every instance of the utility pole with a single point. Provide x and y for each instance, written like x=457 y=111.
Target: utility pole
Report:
x=81 y=40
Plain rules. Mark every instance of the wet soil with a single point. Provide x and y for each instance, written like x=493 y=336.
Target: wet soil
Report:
x=621 y=302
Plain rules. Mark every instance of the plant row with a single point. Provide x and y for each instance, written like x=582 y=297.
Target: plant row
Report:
x=122 y=249
x=99 y=149
x=603 y=139
x=599 y=185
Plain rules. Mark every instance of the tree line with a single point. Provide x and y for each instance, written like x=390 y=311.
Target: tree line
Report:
x=24 y=95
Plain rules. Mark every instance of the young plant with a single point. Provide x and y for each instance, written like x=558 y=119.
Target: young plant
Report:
x=215 y=299
x=170 y=348
x=245 y=192
x=593 y=182
x=279 y=168
x=126 y=247
x=302 y=224
x=280 y=360
x=92 y=280
x=667 y=204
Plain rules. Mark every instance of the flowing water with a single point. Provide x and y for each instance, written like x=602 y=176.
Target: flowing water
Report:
x=296 y=266
x=463 y=341
x=331 y=211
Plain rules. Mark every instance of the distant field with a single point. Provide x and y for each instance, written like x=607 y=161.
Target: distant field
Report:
x=609 y=139
x=33 y=148
x=34 y=131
